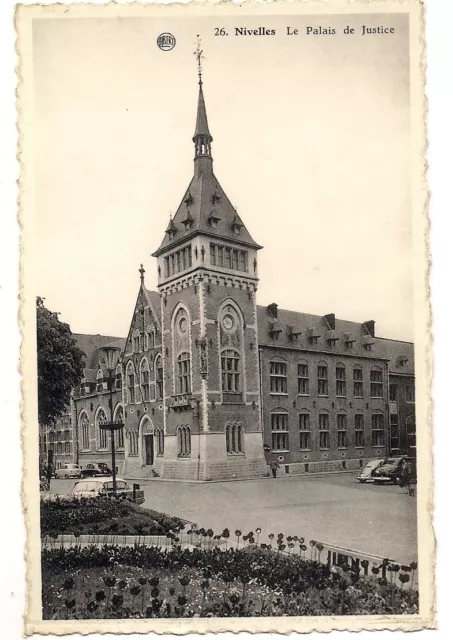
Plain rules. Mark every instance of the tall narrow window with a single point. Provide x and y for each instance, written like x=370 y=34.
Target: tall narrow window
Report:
x=279 y=429
x=85 y=431
x=278 y=377
x=394 y=432
x=393 y=393
x=342 y=431
x=230 y=371
x=99 y=381
x=304 y=431
x=184 y=441
x=324 y=435
x=323 y=387
x=340 y=373
x=377 y=430
x=213 y=253
x=410 y=392
x=144 y=380
x=302 y=379
x=358 y=382
x=119 y=434
x=359 y=430
x=102 y=433
x=159 y=378
x=133 y=443
x=376 y=387
x=183 y=381
x=118 y=378
x=130 y=384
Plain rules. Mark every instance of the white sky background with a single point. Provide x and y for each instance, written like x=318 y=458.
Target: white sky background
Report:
x=311 y=142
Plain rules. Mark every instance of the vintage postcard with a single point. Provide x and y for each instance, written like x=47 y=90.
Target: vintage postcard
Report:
x=225 y=317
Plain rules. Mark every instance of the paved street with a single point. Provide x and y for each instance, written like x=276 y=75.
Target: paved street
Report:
x=334 y=508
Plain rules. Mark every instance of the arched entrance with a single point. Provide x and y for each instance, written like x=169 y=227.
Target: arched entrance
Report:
x=147 y=441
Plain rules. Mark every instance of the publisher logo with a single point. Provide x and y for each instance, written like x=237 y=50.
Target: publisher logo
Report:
x=166 y=41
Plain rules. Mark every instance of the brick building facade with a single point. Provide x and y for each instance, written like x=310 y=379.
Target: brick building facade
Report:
x=212 y=386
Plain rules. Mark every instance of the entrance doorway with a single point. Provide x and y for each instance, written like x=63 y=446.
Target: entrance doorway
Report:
x=149 y=449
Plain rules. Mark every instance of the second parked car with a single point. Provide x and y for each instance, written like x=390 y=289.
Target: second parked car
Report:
x=393 y=469
x=96 y=470
x=69 y=471
x=366 y=474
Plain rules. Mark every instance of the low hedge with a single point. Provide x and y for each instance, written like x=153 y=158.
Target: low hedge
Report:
x=103 y=515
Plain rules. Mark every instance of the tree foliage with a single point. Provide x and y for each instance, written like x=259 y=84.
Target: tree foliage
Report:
x=60 y=364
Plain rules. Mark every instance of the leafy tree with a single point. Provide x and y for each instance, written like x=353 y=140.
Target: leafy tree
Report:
x=60 y=364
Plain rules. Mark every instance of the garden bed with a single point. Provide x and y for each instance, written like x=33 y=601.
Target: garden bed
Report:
x=103 y=516
x=143 y=582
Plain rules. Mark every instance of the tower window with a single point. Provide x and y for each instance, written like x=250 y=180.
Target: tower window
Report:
x=228 y=257
x=231 y=379
x=178 y=261
x=183 y=363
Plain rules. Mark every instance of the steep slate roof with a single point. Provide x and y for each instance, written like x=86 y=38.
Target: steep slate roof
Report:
x=90 y=345
x=154 y=302
x=391 y=350
x=204 y=198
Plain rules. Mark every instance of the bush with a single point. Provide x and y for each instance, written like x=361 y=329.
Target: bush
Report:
x=103 y=516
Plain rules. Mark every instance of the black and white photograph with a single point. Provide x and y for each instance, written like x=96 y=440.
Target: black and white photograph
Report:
x=226 y=412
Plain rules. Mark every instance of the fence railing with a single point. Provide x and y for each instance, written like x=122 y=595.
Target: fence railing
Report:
x=338 y=558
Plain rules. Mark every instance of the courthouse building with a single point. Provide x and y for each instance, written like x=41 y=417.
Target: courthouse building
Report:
x=211 y=385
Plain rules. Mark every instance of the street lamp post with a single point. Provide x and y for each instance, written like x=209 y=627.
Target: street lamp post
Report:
x=111 y=357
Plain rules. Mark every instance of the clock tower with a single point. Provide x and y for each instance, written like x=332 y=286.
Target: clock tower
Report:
x=207 y=281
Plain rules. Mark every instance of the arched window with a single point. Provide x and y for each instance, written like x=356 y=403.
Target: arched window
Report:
x=119 y=435
x=279 y=430
x=159 y=378
x=84 y=428
x=130 y=378
x=183 y=384
x=323 y=381
x=133 y=442
x=340 y=377
x=357 y=376
x=159 y=441
x=144 y=380
x=234 y=437
x=118 y=377
x=184 y=441
x=99 y=381
x=103 y=437
x=136 y=341
x=231 y=377
x=278 y=376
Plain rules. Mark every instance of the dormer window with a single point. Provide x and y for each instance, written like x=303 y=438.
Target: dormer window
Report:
x=213 y=221
x=349 y=340
x=368 y=342
x=275 y=329
x=402 y=361
x=215 y=198
x=294 y=332
x=171 y=229
x=313 y=335
x=332 y=338
x=237 y=225
x=188 y=221
x=188 y=200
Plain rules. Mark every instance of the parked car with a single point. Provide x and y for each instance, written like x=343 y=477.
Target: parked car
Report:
x=69 y=471
x=392 y=470
x=93 y=487
x=94 y=470
x=366 y=474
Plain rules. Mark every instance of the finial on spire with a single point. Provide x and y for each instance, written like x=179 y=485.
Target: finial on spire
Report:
x=142 y=273
x=198 y=53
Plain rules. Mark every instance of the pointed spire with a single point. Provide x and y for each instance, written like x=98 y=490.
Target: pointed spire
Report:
x=202 y=136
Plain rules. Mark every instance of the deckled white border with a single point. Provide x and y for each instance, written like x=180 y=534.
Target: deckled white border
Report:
x=285 y=624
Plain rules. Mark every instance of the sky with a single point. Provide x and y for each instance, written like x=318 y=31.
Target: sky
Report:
x=311 y=144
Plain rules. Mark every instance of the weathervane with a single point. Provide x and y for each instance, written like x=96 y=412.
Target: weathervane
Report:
x=198 y=53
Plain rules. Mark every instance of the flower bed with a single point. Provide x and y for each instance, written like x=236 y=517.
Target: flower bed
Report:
x=103 y=516
x=143 y=582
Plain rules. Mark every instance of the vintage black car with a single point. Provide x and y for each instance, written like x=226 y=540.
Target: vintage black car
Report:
x=392 y=470
x=96 y=470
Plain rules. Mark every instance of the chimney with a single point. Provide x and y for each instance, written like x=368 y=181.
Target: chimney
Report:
x=330 y=319
x=369 y=326
x=272 y=310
